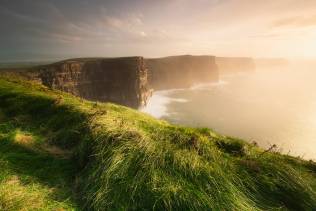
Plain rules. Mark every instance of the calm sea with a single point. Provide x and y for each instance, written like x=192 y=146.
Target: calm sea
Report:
x=268 y=106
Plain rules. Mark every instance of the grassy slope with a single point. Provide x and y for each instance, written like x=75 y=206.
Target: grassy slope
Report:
x=16 y=66
x=58 y=151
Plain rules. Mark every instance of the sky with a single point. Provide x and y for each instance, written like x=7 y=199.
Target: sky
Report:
x=54 y=29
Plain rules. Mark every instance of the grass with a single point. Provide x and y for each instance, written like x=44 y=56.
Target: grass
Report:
x=31 y=178
x=20 y=66
x=59 y=152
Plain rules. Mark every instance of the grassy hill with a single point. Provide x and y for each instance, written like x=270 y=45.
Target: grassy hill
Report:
x=20 y=66
x=59 y=152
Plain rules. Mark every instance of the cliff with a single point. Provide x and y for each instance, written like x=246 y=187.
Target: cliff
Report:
x=230 y=65
x=271 y=63
x=181 y=71
x=117 y=80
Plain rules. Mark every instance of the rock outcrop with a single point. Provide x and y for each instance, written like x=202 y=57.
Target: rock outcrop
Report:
x=181 y=71
x=231 y=65
x=117 y=80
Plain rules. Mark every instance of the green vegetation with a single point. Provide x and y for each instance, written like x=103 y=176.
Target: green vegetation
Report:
x=59 y=152
x=14 y=66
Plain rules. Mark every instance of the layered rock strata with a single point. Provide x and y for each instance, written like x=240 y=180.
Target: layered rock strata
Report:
x=117 y=80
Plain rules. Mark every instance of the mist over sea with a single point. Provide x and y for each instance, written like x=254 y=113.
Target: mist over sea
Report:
x=269 y=106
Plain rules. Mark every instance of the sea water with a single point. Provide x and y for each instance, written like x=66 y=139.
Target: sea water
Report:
x=266 y=106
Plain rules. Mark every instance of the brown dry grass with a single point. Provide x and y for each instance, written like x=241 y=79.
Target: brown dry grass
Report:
x=24 y=139
x=16 y=196
x=56 y=151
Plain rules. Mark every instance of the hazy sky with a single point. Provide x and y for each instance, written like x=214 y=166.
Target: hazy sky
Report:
x=49 y=29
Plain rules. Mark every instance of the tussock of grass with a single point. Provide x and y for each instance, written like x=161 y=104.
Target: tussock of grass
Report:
x=30 y=179
x=125 y=160
x=232 y=146
x=14 y=195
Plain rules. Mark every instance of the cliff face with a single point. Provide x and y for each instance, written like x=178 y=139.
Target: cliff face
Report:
x=125 y=81
x=181 y=71
x=271 y=63
x=230 y=65
x=117 y=80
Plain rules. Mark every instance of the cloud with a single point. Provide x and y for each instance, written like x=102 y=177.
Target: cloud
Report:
x=155 y=27
x=143 y=34
x=122 y=22
x=60 y=37
x=296 y=21
x=128 y=25
x=266 y=35
x=114 y=22
x=21 y=17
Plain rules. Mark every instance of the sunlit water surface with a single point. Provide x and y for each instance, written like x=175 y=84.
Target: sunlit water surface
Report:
x=268 y=107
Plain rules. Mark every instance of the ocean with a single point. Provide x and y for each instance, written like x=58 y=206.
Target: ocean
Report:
x=268 y=106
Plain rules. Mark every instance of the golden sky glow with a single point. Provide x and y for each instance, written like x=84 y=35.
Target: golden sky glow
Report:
x=57 y=28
